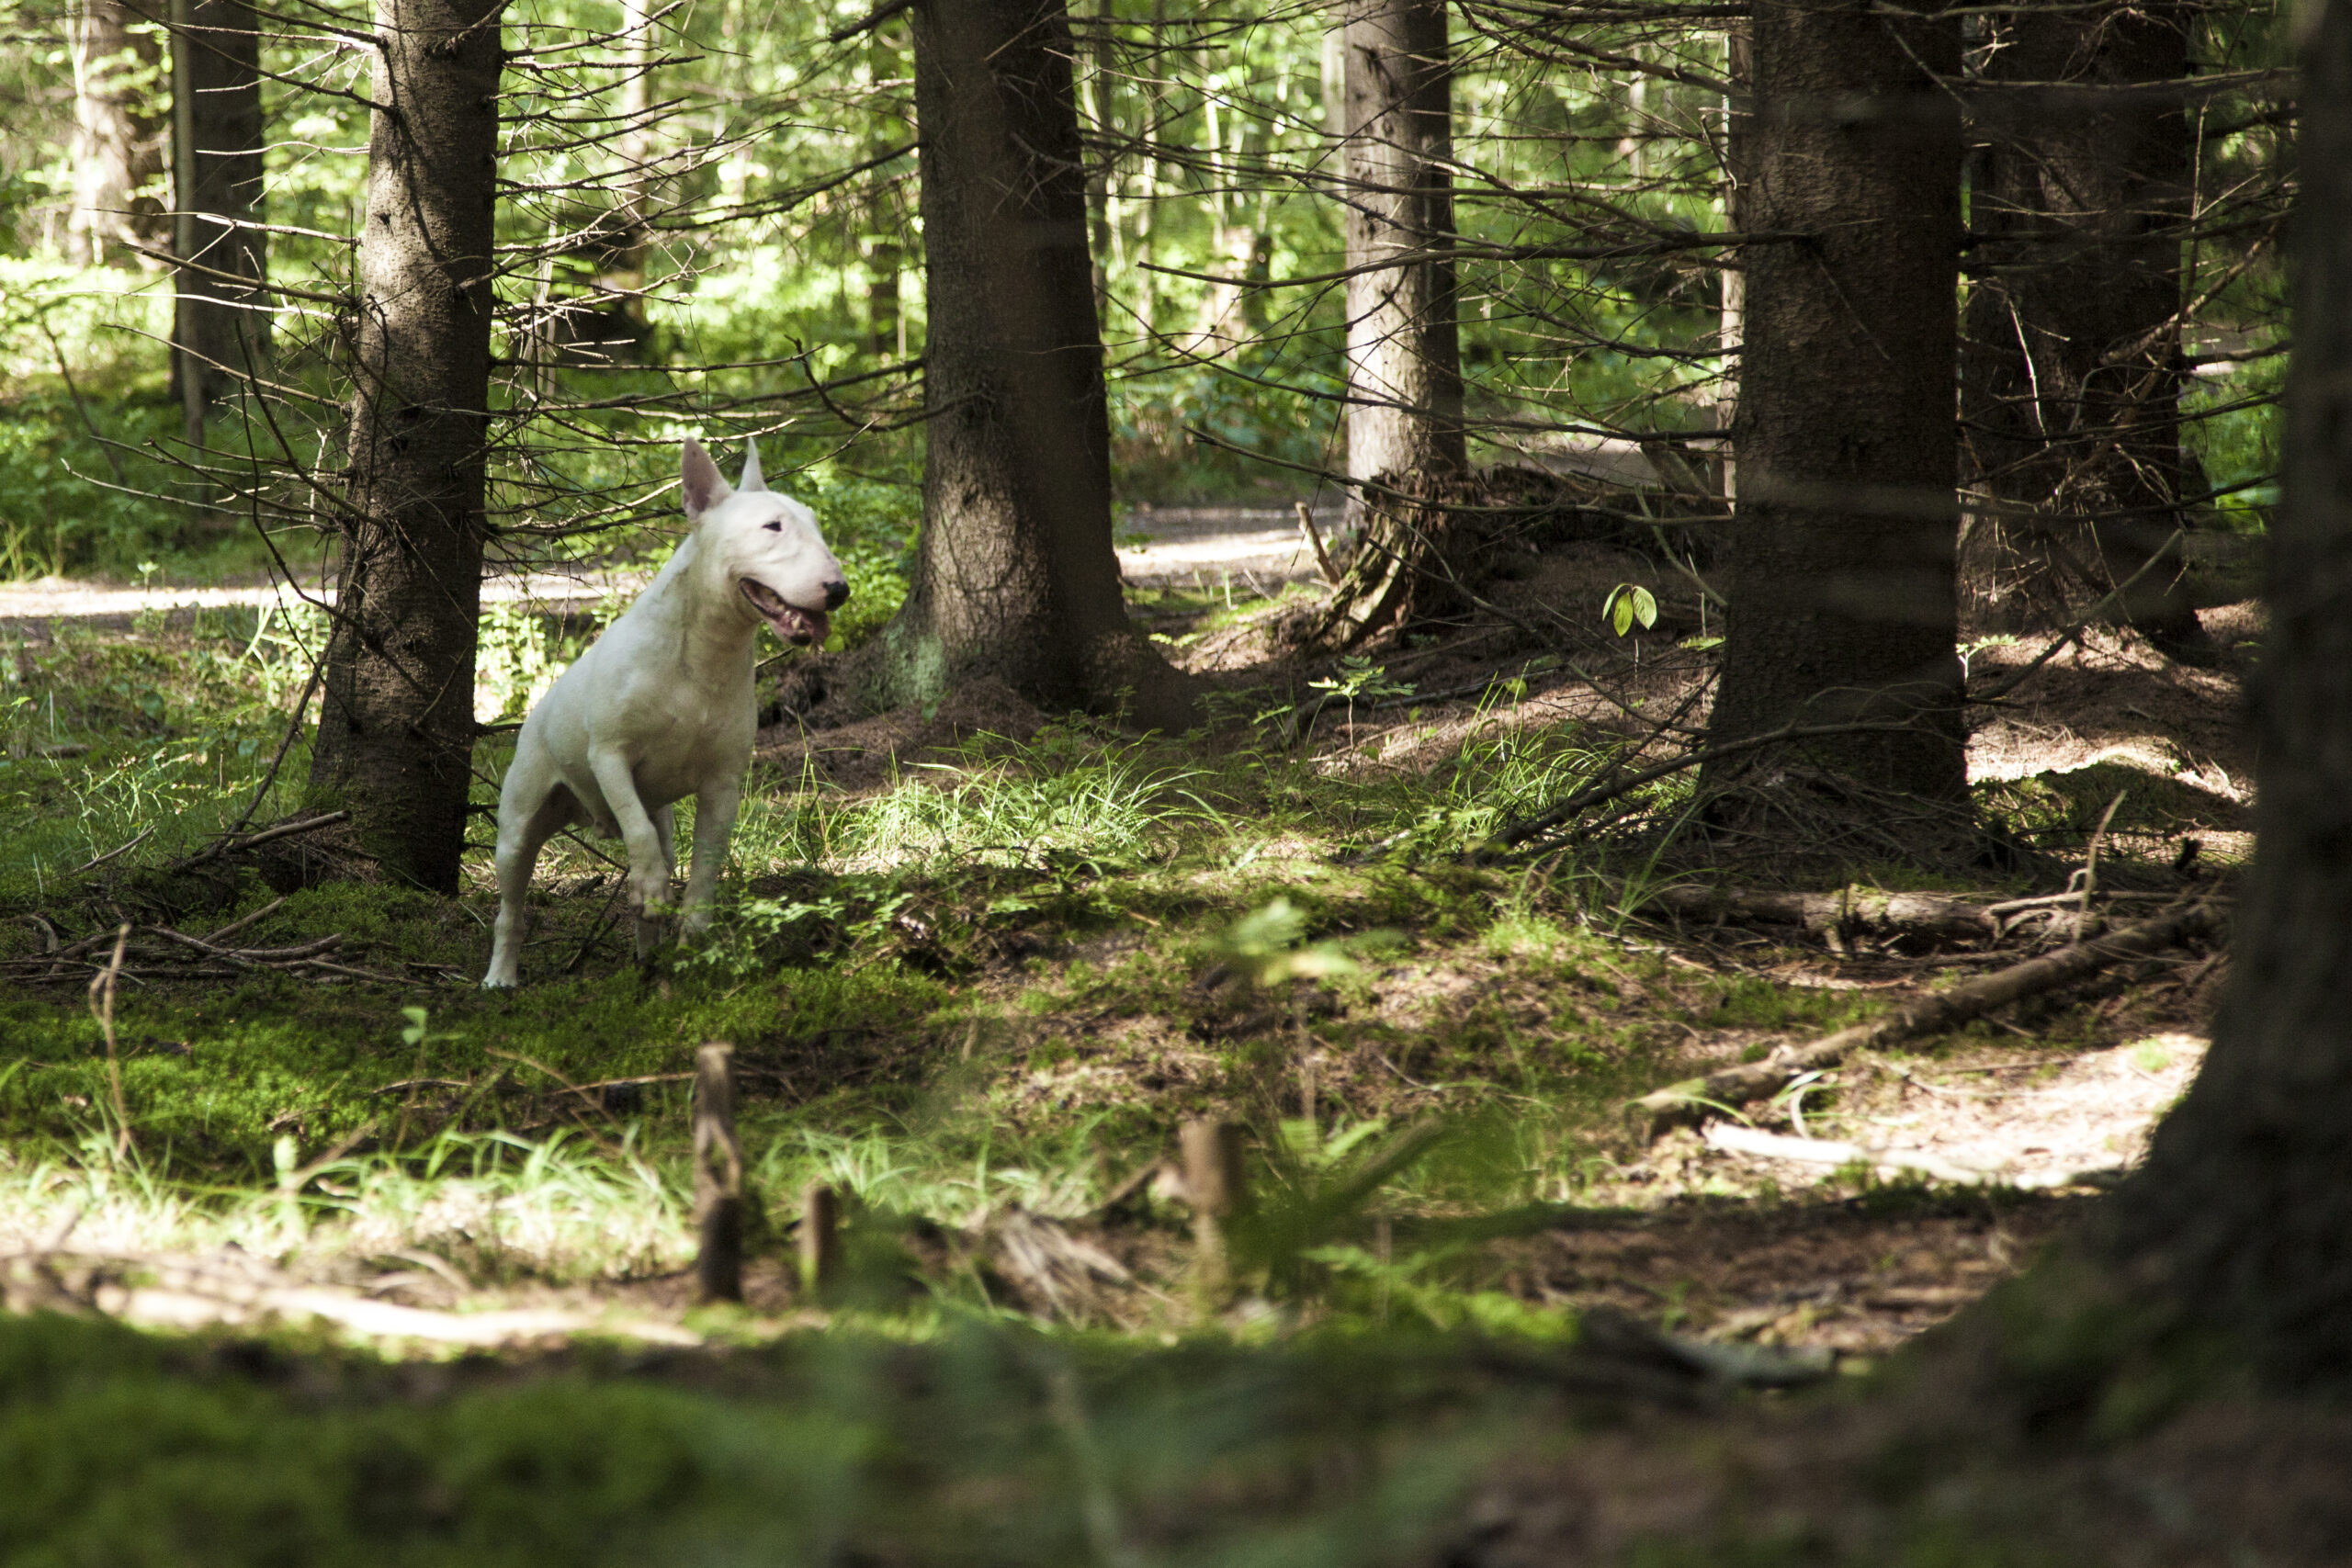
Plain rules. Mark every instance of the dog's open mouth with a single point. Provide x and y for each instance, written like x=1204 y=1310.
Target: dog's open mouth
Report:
x=806 y=628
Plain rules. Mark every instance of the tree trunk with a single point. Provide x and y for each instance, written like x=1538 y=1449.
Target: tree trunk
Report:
x=396 y=731
x=1731 y=283
x=221 y=329
x=1843 y=601
x=1015 y=574
x=118 y=137
x=2072 y=375
x=1405 y=432
x=623 y=279
x=2238 y=1223
x=886 y=253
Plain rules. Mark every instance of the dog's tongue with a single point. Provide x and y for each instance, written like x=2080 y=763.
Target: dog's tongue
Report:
x=807 y=627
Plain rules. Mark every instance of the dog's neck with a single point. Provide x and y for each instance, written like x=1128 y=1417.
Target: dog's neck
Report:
x=715 y=629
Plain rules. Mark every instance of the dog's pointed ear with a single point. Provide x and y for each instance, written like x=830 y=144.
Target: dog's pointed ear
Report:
x=704 y=487
x=750 y=479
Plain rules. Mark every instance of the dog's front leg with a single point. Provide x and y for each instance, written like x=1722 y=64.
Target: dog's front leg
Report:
x=649 y=865
x=714 y=807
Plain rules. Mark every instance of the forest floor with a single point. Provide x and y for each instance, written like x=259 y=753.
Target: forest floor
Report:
x=978 y=964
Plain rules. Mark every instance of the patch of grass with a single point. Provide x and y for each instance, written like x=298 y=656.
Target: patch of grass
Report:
x=972 y=1444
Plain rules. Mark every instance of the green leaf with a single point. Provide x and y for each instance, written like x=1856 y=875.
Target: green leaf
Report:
x=1621 y=612
x=1645 y=607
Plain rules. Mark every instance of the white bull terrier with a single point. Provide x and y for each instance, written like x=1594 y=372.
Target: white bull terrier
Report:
x=660 y=708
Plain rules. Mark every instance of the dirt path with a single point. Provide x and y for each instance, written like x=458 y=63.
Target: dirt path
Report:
x=1201 y=547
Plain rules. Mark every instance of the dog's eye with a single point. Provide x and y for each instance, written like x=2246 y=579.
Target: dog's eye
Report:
x=776 y=528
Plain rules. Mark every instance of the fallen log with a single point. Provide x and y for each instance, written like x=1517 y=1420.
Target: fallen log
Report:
x=1693 y=1100
x=190 y=1293
x=1851 y=911
x=1832 y=1153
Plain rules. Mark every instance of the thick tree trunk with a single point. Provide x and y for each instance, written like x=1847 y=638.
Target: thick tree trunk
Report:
x=396 y=732
x=1405 y=434
x=1014 y=575
x=1843 y=600
x=220 y=328
x=2239 y=1222
x=2072 y=378
x=119 y=136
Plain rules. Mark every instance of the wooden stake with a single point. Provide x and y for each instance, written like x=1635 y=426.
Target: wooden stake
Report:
x=821 y=1237
x=1215 y=1183
x=719 y=1176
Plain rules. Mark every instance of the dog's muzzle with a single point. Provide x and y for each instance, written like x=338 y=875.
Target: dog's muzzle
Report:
x=803 y=627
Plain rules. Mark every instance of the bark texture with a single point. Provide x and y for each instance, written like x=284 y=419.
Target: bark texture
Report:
x=1016 y=576
x=1731 y=310
x=2241 y=1217
x=396 y=731
x=2072 y=369
x=119 y=136
x=1843 y=603
x=1405 y=432
x=220 y=328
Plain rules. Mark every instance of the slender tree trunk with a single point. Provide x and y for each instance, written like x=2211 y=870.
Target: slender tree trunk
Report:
x=2237 y=1224
x=119 y=136
x=2072 y=374
x=1843 y=600
x=396 y=731
x=220 y=328
x=1014 y=575
x=1100 y=98
x=1405 y=432
x=624 y=276
x=885 y=254
x=1731 y=283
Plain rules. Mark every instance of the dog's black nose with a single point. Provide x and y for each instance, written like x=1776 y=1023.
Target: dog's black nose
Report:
x=836 y=595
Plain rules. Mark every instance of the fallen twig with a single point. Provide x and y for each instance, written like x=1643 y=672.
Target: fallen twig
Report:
x=1694 y=1099
x=240 y=922
x=96 y=862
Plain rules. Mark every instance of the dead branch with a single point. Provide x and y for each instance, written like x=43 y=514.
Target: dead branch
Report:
x=1331 y=573
x=235 y=843
x=1692 y=1100
x=102 y=990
